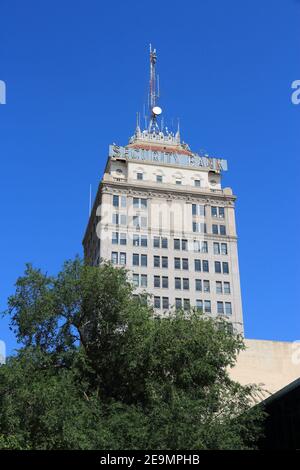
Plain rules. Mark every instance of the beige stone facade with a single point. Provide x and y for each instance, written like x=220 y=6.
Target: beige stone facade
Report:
x=272 y=364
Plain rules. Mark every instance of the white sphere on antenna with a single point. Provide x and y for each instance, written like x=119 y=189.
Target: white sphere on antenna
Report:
x=156 y=110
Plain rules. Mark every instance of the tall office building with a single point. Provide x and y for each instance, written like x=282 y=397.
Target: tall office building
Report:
x=161 y=212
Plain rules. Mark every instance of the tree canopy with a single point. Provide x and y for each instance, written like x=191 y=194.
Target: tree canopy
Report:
x=96 y=369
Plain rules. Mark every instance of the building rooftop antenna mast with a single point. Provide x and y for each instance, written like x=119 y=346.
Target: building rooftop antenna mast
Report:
x=155 y=110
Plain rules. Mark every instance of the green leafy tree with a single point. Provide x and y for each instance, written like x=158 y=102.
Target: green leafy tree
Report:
x=98 y=370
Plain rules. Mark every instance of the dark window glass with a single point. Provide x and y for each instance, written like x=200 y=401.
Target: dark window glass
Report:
x=165 y=302
x=186 y=284
x=156 y=261
x=177 y=263
x=164 y=243
x=215 y=230
x=205 y=266
x=214 y=211
x=217 y=267
x=143 y=260
x=197 y=265
x=221 y=212
x=156 y=302
x=156 y=281
x=143 y=240
x=185 y=263
x=178 y=304
x=198 y=285
x=164 y=261
x=115 y=238
x=184 y=245
x=225 y=268
x=156 y=242
x=176 y=244
x=186 y=304
x=222 y=230
x=135 y=259
x=177 y=283
x=139 y=176
x=165 y=282
x=115 y=201
x=194 y=209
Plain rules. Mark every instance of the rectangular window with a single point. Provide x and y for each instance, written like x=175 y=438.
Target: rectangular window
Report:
x=198 y=285
x=176 y=244
x=226 y=287
x=156 y=242
x=197 y=265
x=220 y=308
x=216 y=248
x=144 y=260
x=228 y=309
x=135 y=259
x=159 y=178
x=135 y=280
x=184 y=245
x=215 y=229
x=123 y=258
x=204 y=247
x=198 y=209
x=221 y=212
x=207 y=306
x=164 y=261
x=115 y=238
x=123 y=201
x=195 y=226
x=218 y=267
x=197 y=183
x=165 y=302
x=156 y=281
x=219 y=287
x=206 y=286
x=144 y=280
x=199 y=305
x=115 y=201
x=222 y=230
x=214 y=211
x=224 y=250
x=139 y=176
x=115 y=219
x=156 y=261
x=136 y=240
x=225 y=268
x=123 y=239
x=186 y=304
x=156 y=302
x=178 y=181
x=114 y=257
x=177 y=264
x=185 y=263
x=164 y=242
x=205 y=266
x=177 y=283
x=165 y=282
x=144 y=240
x=178 y=304
x=185 y=284
x=139 y=203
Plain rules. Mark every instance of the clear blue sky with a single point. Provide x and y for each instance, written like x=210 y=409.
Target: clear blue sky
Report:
x=77 y=72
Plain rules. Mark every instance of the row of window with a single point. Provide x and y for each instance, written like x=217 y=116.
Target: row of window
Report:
x=141 y=203
x=223 y=308
x=200 y=210
x=160 y=179
x=120 y=238
x=163 y=262
x=141 y=221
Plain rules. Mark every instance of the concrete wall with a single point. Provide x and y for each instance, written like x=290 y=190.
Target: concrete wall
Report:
x=274 y=364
